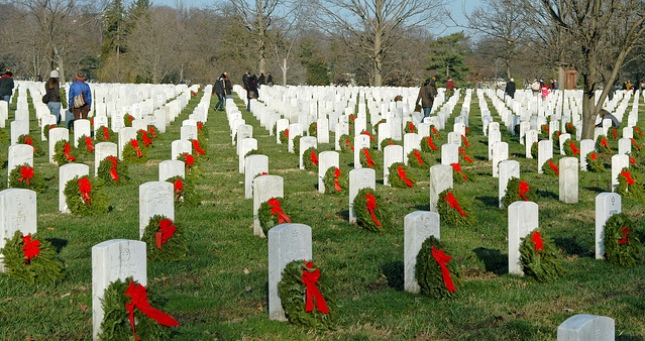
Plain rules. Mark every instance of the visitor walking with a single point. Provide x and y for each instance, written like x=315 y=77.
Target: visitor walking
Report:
x=426 y=96
x=6 y=86
x=269 y=79
x=252 y=92
x=80 y=97
x=510 y=88
x=52 y=94
x=222 y=89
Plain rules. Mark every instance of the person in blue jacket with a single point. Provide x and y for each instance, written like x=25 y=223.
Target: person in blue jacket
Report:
x=80 y=97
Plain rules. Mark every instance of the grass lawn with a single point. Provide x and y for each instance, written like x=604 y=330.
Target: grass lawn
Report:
x=220 y=291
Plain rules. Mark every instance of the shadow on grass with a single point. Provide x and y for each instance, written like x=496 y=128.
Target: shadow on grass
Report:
x=494 y=260
x=595 y=189
x=57 y=243
x=343 y=214
x=393 y=271
x=547 y=194
x=629 y=338
x=424 y=208
x=489 y=201
x=571 y=246
x=481 y=158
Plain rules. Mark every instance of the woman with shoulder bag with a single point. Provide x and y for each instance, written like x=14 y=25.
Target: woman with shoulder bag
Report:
x=52 y=94
x=80 y=97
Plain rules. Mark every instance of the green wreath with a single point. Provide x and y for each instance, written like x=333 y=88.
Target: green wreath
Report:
x=372 y=139
x=534 y=150
x=175 y=248
x=17 y=180
x=253 y=152
x=329 y=181
x=461 y=175
x=100 y=135
x=622 y=246
x=127 y=120
x=284 y=136
x=568 y=148
x=545 y=264
x=292 y=293
x=544 y=131
x=418 y=162
x=140 y=137
x=363 y=215
x=59 y=153
x=313 y=129
x=633 y=191
x=388 y=142
x=603 y=146
x=192 y=171
x=396 y=181
x=346 y=144
x=429 y=274
x=43 y=268
x=512 y=193
x=116 y=323
x=410 y=128
x=434 y=131
x=82 y=150
x=638 y=134
x=427 y=143
x=516 y=129
x=105 y=169
x=39 y=150
x=98 y=203
x=202 y=131
x=594 y=164
x=452 y=216
x=613 y=134
x=377 y=125
x=47 y=128
x=130 y=154
x=570 y=128
x=268 y=220
x=306 y=159
x=363 y=159
x=555 y=137
x=296 y=144
x=548 y=170
x=187 y=196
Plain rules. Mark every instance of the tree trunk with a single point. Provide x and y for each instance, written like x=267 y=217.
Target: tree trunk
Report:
x=378 y=60
x=284 y=71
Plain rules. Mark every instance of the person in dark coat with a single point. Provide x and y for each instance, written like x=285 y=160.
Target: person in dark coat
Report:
x=6 y=86
x=222 y=89
x=269 y=79
x=52 y=90
x=261 y=80
x=510 y=88
x=245 y=80
x=605 y=115
x=426 y=96
x=252 y=92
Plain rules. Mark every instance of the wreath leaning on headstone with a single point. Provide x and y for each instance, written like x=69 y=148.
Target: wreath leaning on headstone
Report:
x=436 y=273
x=629 y=185
x=534 y=150
x=47 y=128
x=143 y=136
x=24 y=176
x=544 y=132
x=371 y=211
x=410 y=128
x=550 y=168
x=31 y=260
x=372 y=139
x=113 y=171
x=85 y=147
x=366 y=159
x=461 y=175
x=336 y=181
x=105 y=134
x=271 y=214
x=622 y=246
x=594 y=163
x=387 y=142
x=202 y=131
x=313 y=129
x=570 y=128
x=454 y=210
x=84 y=197
x=427 y=145
x=63 y=153
x=417 y=159
x=284 y=136
x=571 y=148
x=39 y=150
x=305 y=296
x=296 y=144
x=539 y=258
x=613 y=134
x=116 y=323
x=602 y=144
x=191 y=165
x=516 y=190
x=399 y=176
x=184 y=191
x=127 y=120
x=165 y=239
x=555 y=137
x=346 y=144
x=134 y=152
x=310 y=159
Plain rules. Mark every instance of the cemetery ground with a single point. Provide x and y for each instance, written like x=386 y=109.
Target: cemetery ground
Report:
x=220 y=290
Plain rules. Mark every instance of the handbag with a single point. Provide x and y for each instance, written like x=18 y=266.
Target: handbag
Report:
x=78 y=101
x=46 y=98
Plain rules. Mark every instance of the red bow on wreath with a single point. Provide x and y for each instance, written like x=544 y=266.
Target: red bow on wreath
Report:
x=574 y=150
x=145 y=138
x=135 y=144
x=628 y=177
x=130 y=118
x=152 y=131
x=603 y=143
x=524 y=189
x=89 y=144
x=314 y=158
x=465 y=139
x=593 y=156
x=310 y=279
x=276 y=210
x=443 y=259
x=555 y=167
x=624 y=232
x=462 y=151
x=632 y=161
x=167 y=230
x=457 y=168
x=368 y=134
x=402 y=176
x=452 y=201
x=411 y=127
x=636 y=144
x=336 y=177
x=638 y=131
x=26 y=174
x=85 y=187
x=614 y=133
x=106 y=133
x=197 y=148
x=30 y=248
x=371 y=207
x=66 y=151
x=286 y=133
x=536 y=238
x=179 y=188
x=370 y=162
x=113 y=173
x=430 y=143
x=200 y=126
x=139 y=300
x=418 y=156
x=189 y=160
x=30 y=141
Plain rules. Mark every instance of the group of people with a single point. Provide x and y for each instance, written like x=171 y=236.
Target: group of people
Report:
x=79 y=99
x=251 y=83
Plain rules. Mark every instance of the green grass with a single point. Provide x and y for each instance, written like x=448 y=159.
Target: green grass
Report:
x=220 y=291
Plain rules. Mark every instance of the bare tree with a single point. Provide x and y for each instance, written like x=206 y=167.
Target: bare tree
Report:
x=604 y=33
x=370 y=27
